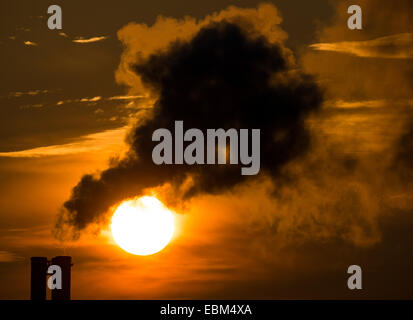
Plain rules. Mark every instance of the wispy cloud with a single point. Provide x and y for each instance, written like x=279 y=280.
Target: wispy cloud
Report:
x=90 y=99
x=30 y=43
x=359 y=104
x=89 y=40
x=125 y=97
x=27 y=106
x=98 y=98
x=17 y=94
x=398 y=46
x=378 y=103
x=109 y=140
x=23 y=29
x=94 y=99
x=6 y=256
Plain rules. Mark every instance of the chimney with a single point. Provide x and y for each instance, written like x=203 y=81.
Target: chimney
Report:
x=65 y=263
x=38 y=278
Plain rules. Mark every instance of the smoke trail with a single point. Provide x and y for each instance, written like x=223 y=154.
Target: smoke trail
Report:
x=221 y=78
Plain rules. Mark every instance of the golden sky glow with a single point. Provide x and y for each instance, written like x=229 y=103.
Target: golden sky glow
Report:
x=68 y=105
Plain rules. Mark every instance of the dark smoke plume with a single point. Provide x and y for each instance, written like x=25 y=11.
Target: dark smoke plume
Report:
x=403 y=160
x=222 y=78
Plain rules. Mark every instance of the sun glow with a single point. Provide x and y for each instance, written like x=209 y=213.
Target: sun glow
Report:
x=142 y=226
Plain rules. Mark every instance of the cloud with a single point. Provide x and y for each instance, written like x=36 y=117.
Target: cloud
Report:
x=111 y=140
x=98 y=98
x=126 y=97
x=228 y=74
x=23 y=29
x=17 y=94
x=336 y=191
x=94 y=99
x=37 y=105
x=363 y=119
x=6 y=256
x=385 y=43
x=371 y=104
x=30 y=43
x=398 y=46
x=89 y=40
x=140 y=40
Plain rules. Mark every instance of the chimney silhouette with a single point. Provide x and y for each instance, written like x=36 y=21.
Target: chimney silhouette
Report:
x=38 y=277
x=38 y=273
x=65 y=263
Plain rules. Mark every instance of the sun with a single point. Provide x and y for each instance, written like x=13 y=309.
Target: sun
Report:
x=142 y=226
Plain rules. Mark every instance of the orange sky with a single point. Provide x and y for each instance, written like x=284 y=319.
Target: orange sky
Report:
x=66 y=112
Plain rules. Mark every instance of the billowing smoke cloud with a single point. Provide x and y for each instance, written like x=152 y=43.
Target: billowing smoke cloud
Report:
x=368 y=102
x=224 y=78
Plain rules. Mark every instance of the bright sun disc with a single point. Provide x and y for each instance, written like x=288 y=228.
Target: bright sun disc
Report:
x=142 y=226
